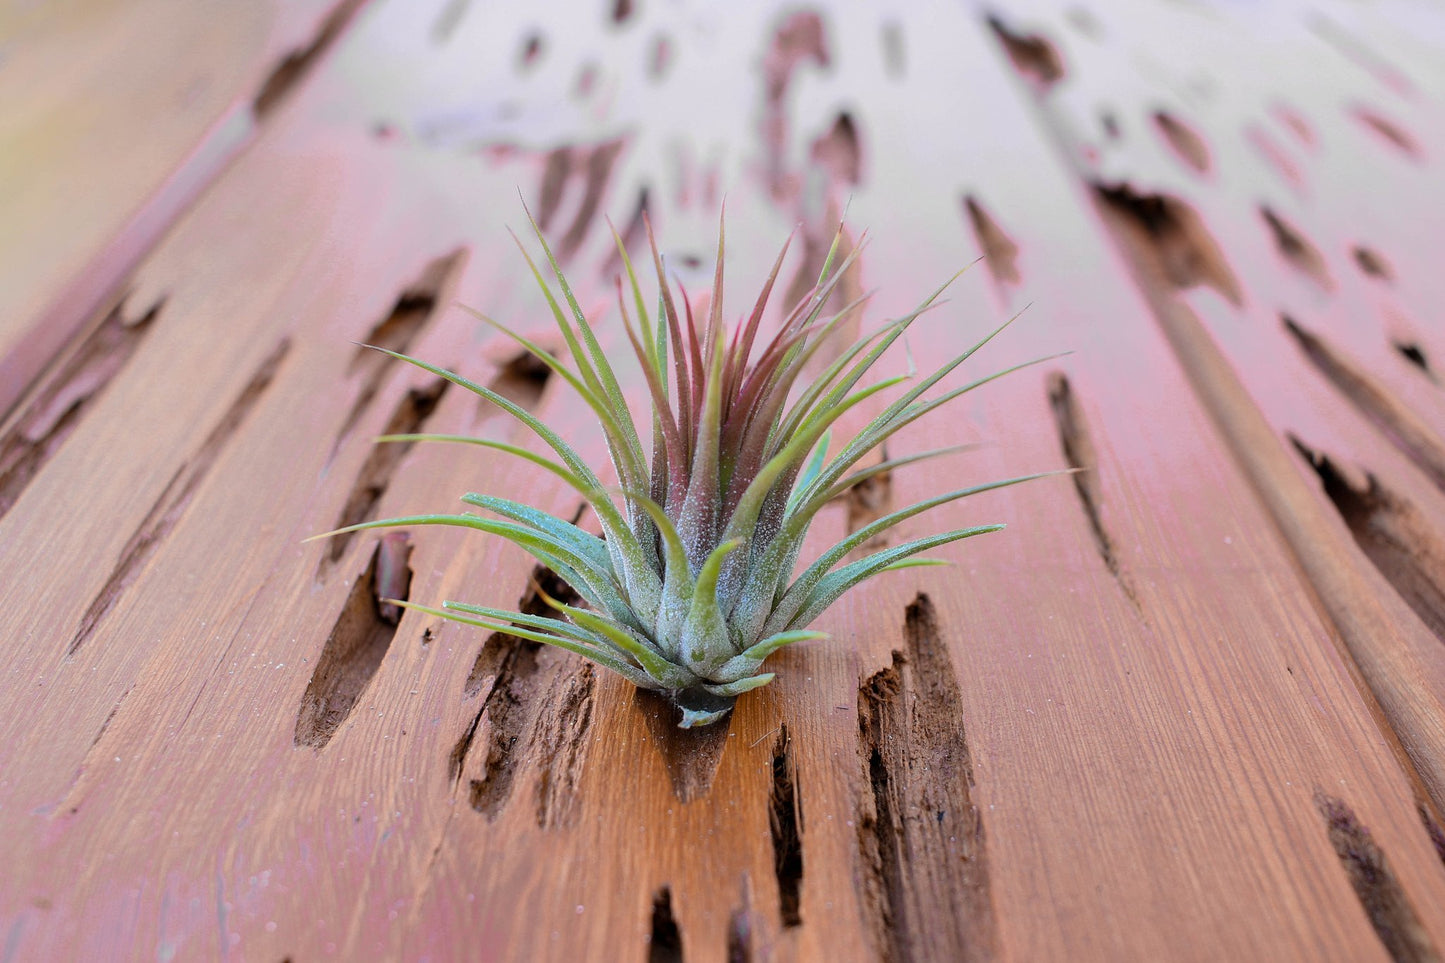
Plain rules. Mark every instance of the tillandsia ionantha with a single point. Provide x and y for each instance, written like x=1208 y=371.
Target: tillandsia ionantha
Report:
x=691 y=587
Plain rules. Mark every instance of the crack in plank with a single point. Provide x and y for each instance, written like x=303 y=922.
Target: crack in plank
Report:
x=176 y=498
x=57 y=408
x=357 y=643
x=1079 y=452
x=1404 y=429
x=1378 y=889
x=920 y=837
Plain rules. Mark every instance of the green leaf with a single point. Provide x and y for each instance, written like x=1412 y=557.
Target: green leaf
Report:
x=815 y=464
x=894 y=419
x=599 y=358
x=553 y=440
x=697 y=522
x=889 y=465
x=631 y=673
x=832 y=556
x=758 y=437
x=654 y=361
x=666 y=674
x=674 y=553
x=916 y=563
x=677 y=583
x=745 y=516
x=748 y=662
x=574 y=347
x=773 y=643
x=584 y=544
x=706 y=641
x=669 y=445
x=889 y=334
x=685 y=413
x=628 y=556
x=542 y=623
x=914 y=393
x=571 y=478
x=830 y=588
x=616 y=421
x=599 y=585
x=623 y=546
x=824 y=382
x=750 y=329
x=733 y=689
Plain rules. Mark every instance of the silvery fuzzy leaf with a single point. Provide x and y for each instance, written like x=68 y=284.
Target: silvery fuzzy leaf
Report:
x=706 y=642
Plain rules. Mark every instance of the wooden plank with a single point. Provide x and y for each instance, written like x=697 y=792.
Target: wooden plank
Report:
x=113 y=118
x=1290 y=284
x=1161 y=733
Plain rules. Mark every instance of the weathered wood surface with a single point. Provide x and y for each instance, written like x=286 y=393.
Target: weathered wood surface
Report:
x=1188 y=706
x=113 y=118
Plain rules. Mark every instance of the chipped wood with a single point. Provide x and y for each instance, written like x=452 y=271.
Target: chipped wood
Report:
x=1189 y=705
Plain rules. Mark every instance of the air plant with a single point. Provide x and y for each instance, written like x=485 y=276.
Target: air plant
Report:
x=691 y=588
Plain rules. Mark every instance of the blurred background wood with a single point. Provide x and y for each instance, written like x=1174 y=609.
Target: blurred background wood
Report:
x=1187 y=706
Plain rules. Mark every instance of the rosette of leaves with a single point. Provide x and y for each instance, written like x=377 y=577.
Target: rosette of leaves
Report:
x=693 y=586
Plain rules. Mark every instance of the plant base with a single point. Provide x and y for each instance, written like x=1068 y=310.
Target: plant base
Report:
x=700 y=707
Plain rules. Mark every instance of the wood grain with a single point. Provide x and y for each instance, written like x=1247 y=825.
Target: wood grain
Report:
x=113 y=118
x=1179 y=709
